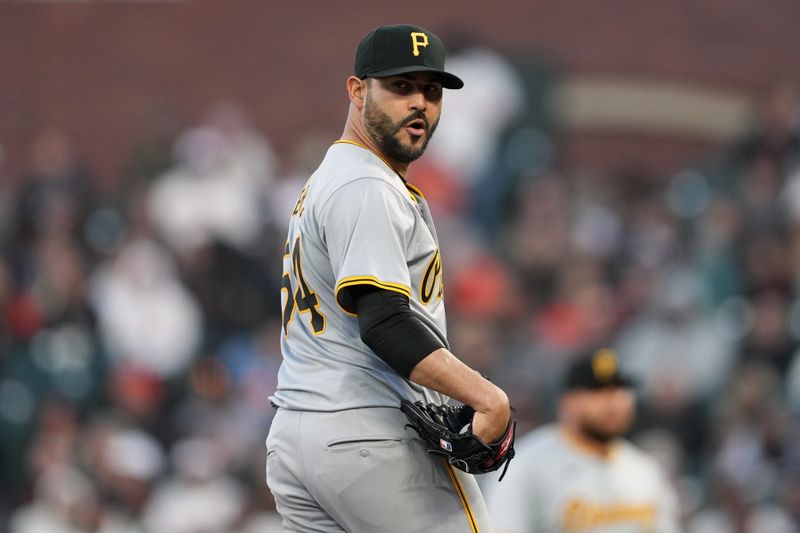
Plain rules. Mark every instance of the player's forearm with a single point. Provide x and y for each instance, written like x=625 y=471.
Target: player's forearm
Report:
x=396 y=335
x=444 y=372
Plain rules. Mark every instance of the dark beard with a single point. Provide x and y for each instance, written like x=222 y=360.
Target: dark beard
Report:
x=384 y=132
x=597 y=435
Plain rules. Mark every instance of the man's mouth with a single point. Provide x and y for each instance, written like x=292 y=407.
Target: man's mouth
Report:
x=417 y=127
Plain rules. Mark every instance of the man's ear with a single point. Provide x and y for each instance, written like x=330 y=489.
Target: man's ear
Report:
x=357 y=91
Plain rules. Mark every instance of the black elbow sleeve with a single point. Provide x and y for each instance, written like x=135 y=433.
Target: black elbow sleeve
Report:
x=392 y=330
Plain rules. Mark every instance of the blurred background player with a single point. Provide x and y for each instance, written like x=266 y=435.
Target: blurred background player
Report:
x=580 y=474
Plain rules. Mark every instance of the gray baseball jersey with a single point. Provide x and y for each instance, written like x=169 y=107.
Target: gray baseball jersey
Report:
x=355 y=222
x=556 y=486
x=339 y=449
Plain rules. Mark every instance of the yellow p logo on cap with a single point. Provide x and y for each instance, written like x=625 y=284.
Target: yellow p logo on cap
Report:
x=604 y=364
x=418 y=39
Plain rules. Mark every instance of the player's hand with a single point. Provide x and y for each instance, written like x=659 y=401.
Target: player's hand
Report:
x=490 y=423
x=447 y=430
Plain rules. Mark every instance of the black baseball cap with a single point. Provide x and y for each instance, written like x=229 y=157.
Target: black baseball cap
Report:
x=400 y=49
x=596 y=369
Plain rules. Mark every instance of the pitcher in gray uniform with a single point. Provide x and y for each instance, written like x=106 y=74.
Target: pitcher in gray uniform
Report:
x=364 y=320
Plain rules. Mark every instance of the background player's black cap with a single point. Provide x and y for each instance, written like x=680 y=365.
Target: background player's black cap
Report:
x=596 y=369
x=402 y=48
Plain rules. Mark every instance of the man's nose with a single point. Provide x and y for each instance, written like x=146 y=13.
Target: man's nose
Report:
x=417 y=101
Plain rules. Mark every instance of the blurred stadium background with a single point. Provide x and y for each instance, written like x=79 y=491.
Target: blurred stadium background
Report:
x=616 y=171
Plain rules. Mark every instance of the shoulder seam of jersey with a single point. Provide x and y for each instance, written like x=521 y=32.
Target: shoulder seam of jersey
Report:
x=343 y=185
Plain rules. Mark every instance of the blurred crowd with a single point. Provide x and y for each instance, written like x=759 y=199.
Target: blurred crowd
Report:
x=139 y=322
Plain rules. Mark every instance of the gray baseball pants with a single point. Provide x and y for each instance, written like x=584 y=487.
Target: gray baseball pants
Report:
x=364 y=471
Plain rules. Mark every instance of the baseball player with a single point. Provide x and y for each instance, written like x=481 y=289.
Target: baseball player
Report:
x=364 y=323
x=580 y=475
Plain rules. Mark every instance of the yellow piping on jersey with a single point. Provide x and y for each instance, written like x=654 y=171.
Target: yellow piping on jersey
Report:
x=368 y=280
x=379 y=156
x=415 y=189
x=463 y=497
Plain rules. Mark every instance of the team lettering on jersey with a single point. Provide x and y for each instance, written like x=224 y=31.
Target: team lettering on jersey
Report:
x=581 y=515
x=431 y=279
x=300 y=205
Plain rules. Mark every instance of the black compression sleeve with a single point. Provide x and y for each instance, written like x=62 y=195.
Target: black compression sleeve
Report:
x=391 y=329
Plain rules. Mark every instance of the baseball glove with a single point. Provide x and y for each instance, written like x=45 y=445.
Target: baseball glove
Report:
x=447 y=431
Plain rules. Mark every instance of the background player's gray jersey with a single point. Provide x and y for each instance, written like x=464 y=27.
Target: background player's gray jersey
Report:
x=356 y=222
x=554 y=486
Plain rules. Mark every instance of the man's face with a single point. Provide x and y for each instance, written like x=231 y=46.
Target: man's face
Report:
x=402 y=112
x=600 y=414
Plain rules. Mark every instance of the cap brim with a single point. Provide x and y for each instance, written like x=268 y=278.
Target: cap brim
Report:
x=625 y=381
x=620 y=380
x=449 y=81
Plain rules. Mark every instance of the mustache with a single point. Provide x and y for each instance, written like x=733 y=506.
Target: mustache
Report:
x=417 y=115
